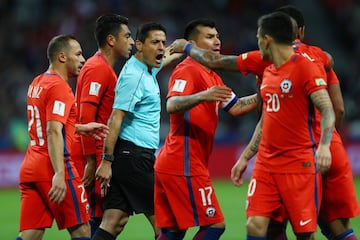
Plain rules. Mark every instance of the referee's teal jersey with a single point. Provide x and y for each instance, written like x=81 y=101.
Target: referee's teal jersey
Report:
x=137 y=93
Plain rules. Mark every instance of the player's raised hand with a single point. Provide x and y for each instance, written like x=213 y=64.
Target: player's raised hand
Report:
x=178 y=46
x=217 y=93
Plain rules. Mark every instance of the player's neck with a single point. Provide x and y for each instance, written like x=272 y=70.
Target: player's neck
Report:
x=281 y=55
x=108 y=55
x=58 y=71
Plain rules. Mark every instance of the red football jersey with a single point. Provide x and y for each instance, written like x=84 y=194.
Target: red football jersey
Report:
x=95 y=85
x=252 y=62
x=190 y=140
x=287 y=143
x=49 y=98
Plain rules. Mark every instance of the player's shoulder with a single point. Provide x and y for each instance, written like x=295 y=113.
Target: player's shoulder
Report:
x=96 y=68
x=303 y=63
x=50 y=80
x=253 y=55
x=188 y=67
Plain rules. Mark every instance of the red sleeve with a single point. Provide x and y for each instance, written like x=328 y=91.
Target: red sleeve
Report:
x=332 y=78
x=95 y=83
x=325 y=59
x=252 y=62
x=59 y=101
x=314 y=78
x=87 y=112
x=181 y=83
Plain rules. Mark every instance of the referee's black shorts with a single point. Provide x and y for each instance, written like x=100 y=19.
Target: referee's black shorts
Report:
x=132 y=183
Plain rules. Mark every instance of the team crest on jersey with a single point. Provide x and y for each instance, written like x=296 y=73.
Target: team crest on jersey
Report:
x=285 y=86
x=87 y=207
x=210 y=212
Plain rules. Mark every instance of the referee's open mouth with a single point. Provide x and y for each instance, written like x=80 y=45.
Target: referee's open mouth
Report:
x=159 y=58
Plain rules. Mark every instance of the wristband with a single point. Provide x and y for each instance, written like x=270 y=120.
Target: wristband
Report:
x=108 y=157
x=187 y=48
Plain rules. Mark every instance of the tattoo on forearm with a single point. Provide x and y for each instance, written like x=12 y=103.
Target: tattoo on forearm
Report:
x=184 y=104
x=214 y=60
x=204 y=57
x=322 y=101
x=246 y=101
x=327 y=127
x=255 y=146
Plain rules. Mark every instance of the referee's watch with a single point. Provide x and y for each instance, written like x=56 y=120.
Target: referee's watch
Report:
x=108 y=157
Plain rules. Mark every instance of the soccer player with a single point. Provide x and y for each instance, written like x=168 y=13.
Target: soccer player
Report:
x=50 y=186
x=339 y=202
x=285 y=173
x=340 y=173
x=127 y=166
x=184 y=195
x=94 y=98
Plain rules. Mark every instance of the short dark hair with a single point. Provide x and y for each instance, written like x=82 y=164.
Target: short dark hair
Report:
x=278 y=25
x=108 y=24
x=191 y=31
x=144 y=29
x=57 y=44
x=293 y=12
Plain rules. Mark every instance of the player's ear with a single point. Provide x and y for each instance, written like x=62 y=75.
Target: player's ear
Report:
x=267 y=39
x=110 y=40
x=62 y=57
x=301 y=33
x=139 y=45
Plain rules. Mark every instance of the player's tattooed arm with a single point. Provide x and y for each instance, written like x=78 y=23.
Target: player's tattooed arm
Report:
x=215 y=60
x=207 y=58
x=322 y=101
x=254 y=143
x=178 y=104
x=244 y=105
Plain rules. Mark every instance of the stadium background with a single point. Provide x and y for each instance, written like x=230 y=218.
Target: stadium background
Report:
x=27 y=26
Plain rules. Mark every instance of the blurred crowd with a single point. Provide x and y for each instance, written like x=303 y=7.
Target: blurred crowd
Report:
x=27 y=26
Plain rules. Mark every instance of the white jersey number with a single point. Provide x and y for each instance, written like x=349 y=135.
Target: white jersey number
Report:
x=35 y=119
x=83 y=193
x=272 y=103
x=206 y=195
x=252 y=187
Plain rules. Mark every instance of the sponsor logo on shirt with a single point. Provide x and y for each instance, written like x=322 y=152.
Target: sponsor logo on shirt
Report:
x=320 y=82
x=285 y=86
x=59 y=108
x=179 y=85
x=94 y=88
